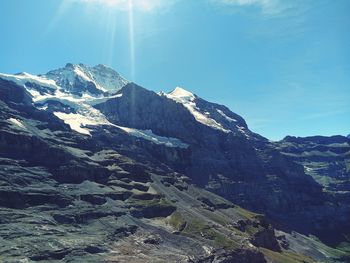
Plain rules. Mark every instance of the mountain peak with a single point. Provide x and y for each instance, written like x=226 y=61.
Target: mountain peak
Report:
x=69 y=65
x=102 y=67
x=73 y=66
x=181 y=93
x=73 y=76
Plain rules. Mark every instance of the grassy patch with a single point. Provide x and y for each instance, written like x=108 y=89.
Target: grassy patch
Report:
x=176 y=221
x=246 y=213
x=286 y=257
x=162 y=202
x=196 y=228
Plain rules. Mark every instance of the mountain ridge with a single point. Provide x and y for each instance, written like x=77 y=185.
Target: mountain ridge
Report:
x=174 y=141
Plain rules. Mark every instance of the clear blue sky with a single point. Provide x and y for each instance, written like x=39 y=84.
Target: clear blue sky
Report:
x=283 y=65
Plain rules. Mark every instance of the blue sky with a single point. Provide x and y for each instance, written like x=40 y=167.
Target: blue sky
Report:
x=283 y=65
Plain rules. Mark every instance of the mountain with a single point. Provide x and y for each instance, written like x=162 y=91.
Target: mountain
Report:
x=326 y=159
x=94 y=166
x=80 y=79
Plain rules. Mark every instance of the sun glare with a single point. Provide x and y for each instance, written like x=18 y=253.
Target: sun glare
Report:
x=143 y=5
x=123 y=3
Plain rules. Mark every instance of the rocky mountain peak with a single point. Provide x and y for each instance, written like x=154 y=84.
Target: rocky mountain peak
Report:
x=181 y=94
x=80 y=79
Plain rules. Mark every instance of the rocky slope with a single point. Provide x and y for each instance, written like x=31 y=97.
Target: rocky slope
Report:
x=326 y=159
x=93 y=167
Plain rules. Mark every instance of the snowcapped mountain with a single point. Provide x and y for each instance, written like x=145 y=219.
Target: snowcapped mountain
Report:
x=81 y=79
x=70 y=93
x=213 y=115
x=78 y=81
x=188 y=100
x=102 y=147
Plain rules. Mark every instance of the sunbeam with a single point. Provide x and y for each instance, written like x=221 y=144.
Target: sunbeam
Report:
x=141 y=5
x=111 y=36
x=132 y=39
x=111 y=9
x=63 y=7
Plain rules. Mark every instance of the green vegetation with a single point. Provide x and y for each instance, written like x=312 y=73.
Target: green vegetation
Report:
x=176 y=221
x=246 y=213
x=195 y=228
x=286 y=257
x=146 y=202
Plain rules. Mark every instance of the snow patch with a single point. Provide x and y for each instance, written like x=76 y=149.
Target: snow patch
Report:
x=308 y=169
x=225 y=116
x=208 y=250
x=86 y=115
x=77 y=121
x=95 y=101
x=44 y=107
x=22 y=78
x=17 y=123
x=150 y=136
x=187 y=99
x=243 y=131
x=182 y=94
x=81 y=74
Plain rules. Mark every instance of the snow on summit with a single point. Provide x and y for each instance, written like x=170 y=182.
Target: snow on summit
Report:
x=108 y=78
x=71 y=92
x=97 y=79
x=181 y=94
x=211 y=115
x=75 y=86
x=188 y=100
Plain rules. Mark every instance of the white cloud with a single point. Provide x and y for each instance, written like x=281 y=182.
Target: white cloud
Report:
x=266 y=7
x=124 y=5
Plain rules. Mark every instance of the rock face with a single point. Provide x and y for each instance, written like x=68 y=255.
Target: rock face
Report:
x=228 y=159
x=327 y=160
x=93 y=166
